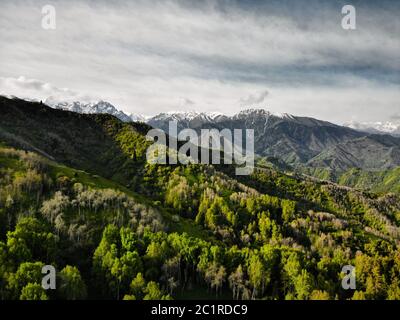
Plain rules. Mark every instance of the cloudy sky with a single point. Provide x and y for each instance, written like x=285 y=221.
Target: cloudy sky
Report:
x=148 y=57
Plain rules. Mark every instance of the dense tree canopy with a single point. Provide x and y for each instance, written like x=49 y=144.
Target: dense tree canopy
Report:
x=190 y=230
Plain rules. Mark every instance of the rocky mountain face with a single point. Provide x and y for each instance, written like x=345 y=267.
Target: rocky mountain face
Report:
x=299 y=140
x=369 y=152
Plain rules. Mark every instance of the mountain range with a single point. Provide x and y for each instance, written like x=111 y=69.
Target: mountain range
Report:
x=77 y=192
x=299 y=142
x=192 y=118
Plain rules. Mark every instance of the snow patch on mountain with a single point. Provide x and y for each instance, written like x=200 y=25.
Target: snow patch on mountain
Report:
x=139 y=117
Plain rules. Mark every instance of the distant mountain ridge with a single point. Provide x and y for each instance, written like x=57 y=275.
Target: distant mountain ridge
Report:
x=380 y=127
x=294 y=139
x=299 y=141
x=187 y=119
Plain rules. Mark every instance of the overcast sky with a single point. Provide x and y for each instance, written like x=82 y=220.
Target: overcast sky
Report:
x=147 y=57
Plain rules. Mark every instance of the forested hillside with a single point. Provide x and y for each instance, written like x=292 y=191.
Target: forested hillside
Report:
x=116 y=227
x=372 y=180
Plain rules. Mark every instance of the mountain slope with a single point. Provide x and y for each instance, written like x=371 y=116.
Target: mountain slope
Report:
x=86 y=141
x=371 y=152
x=222 y=231
x=306 y=145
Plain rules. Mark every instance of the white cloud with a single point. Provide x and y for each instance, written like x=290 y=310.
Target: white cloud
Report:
x=35 y=89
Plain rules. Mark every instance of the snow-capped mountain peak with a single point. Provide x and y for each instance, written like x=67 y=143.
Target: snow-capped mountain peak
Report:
x=257 y=112
x=100 y=106
x=187 y=116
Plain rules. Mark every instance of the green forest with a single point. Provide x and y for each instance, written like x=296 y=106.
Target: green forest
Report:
x=116 y=227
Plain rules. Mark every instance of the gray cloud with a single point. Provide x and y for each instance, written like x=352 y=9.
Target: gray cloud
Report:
x=186 y=102
x=395 y=116
x=254 y=99
x=144 y=55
